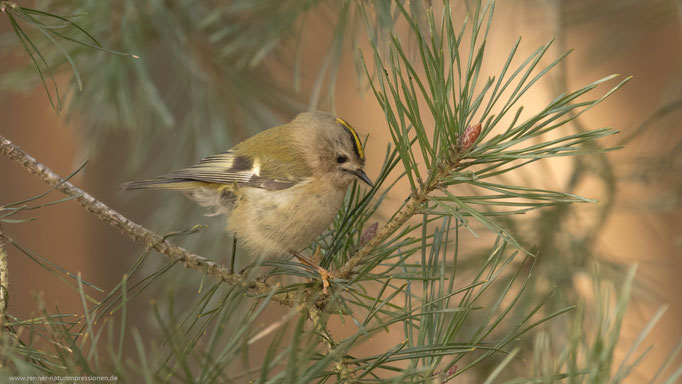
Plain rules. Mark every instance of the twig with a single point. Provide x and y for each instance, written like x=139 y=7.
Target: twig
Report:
x=4 y=282
x=320 y=327
x=137 y=232
x=417 y=199
x=465 y=141
x=389 y=228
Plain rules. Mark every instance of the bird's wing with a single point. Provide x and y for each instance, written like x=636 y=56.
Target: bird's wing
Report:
x=224 y=168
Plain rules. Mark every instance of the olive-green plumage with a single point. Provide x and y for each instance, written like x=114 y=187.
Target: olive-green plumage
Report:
x=280 y=188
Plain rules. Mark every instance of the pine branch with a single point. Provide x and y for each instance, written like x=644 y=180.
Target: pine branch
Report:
x=417 y=200
x=387 y=230
x=137 y=232
x=4 y=282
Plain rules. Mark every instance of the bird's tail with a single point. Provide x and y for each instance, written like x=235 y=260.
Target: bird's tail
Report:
x=168 y=183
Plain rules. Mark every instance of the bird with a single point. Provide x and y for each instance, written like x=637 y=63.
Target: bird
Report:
x=279 y=189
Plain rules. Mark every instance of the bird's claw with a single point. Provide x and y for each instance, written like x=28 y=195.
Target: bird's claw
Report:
x=325 y=275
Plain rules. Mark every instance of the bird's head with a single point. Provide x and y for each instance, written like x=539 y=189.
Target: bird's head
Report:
x=333 y=148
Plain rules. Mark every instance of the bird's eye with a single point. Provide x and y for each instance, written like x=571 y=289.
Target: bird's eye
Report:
x=341 y=159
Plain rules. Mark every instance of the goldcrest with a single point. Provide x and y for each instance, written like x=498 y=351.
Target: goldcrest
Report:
x=281 y=188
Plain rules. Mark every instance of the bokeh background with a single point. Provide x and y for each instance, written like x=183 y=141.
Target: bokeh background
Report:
x=224 y=92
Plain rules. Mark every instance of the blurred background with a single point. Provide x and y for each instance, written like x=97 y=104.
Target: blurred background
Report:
x=213 y=73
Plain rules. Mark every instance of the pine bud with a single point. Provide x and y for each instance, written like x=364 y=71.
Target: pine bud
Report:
x=468 y=137
x=369 y=233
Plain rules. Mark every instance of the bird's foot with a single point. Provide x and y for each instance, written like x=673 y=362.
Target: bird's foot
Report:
x=325 y=275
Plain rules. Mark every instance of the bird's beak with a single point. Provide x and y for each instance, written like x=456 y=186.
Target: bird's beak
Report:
x=363 y=176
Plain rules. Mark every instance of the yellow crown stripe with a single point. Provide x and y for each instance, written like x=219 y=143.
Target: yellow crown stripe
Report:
x=357 y=144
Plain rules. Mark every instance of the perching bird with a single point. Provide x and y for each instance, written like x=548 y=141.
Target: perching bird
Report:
x=281 y=188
